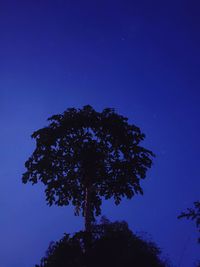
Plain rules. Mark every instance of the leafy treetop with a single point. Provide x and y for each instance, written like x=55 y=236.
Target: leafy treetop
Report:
x=83 y=148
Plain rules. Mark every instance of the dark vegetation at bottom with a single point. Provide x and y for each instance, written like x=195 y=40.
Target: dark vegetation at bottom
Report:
x=111 y=244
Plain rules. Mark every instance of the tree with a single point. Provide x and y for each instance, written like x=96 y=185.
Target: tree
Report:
x=113 y=244
x=193 y=214
x=84 y=155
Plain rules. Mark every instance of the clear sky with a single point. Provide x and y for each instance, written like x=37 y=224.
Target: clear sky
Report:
x=139 y=57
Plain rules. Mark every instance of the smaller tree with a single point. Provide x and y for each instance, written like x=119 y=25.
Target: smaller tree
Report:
x=193 y=214
x=112 y=244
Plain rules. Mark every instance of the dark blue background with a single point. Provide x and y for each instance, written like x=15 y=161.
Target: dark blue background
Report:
x=140 y=57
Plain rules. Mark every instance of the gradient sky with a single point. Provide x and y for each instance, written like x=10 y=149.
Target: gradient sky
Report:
x=141 y=58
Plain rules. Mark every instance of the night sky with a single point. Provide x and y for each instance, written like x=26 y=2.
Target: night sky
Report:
x=141 y=58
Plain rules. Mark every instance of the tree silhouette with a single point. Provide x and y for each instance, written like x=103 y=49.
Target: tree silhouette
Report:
x=193 y=214
x=113 y=244
x=84 y=155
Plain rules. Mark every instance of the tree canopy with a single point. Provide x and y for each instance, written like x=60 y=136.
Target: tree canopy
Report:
x=84 y=155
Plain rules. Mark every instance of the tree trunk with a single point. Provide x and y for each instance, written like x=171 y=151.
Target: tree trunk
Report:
x=87 y=211
x=88 y=219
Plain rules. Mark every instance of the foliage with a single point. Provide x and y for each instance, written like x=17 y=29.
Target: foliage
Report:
x=193 y=214
x=113 y=244
x=83 y=148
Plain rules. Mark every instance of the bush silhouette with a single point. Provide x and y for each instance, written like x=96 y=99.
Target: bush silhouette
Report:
x=113 y=245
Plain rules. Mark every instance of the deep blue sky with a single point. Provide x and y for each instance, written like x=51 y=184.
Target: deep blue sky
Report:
x=140 y=57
